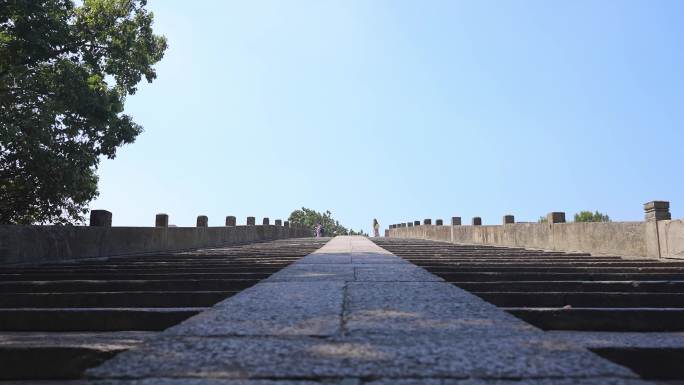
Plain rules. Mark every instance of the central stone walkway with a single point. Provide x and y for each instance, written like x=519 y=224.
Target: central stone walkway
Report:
x=353 y=313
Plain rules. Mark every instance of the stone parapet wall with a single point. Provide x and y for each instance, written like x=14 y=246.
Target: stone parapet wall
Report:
x=27 y=244
x=636 y=239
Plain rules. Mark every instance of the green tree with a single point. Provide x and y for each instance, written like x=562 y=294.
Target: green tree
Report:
x=331 y=227
x=588 y=216
x=65 y=72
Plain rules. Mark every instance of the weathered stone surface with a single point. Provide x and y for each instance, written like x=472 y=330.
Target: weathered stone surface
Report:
x=393 y=273
x=425 y=307
x=231 y=221
x=274 y=308
x=375 y=258
x=314 y=272
x=404 y=355
x=202 y=221
x=555 y=217
x=161 y=220
x=100 y=218
x=327 y=258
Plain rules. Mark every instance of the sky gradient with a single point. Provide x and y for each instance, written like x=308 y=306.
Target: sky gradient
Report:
x=404 y=110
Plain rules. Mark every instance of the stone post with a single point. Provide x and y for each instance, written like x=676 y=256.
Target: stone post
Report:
x=508 y=219
x=439 y=222
x=251 y=221
x=202 y=221
x=161 y=220
x=654 y=212
x=657 y=211
x=386 y=233
x=265 y=222
x=455 y=221
x=230 y=220
x=427 y=221
x=555 y=217
x=416 y=223
x=286 y=223
x=278 y=222
x=410 y=224
x=477 y=221
x=100 y=218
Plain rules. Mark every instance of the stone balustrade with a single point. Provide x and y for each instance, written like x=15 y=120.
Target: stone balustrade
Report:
x=657 y=237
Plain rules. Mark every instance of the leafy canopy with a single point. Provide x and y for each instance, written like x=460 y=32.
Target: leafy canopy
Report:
x=588 y=216
x=65 y=72
x=310 y=218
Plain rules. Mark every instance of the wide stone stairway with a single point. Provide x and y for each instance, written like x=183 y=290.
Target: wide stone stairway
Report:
x=353 y=312
x=58 y=319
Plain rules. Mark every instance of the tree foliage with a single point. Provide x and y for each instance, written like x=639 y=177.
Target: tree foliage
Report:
x=310 y=218
x=588 y=216
x=65 y=72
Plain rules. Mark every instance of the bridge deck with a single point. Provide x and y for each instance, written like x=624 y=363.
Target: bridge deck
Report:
x=353 y=313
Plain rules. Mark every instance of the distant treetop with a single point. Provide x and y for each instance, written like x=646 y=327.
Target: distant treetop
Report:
x=588 y=216
x=310 y=218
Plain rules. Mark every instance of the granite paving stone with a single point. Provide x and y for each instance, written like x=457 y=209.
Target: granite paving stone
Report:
x=333 y=258
x=407 y=355
x=300 y=272
x=272 y=308
x=393 y=273
x=426 y=307
x=375 y=258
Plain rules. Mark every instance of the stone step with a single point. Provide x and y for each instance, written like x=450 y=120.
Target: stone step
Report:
x=603 y=319
x=522 y=276
x=584 y=300
x=575 y=286
x=126 y=285
x=523 y=265
x=50 y=363
x=147 y=269
x=58 y=276
x=556 y=269
x=126 y=299
x=93 y=319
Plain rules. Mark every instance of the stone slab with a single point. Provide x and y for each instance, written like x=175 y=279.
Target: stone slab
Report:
x=425 y=307
x=300 y=272
x=394 y=273
x=375 y=258
x=377 y=356
x=273 y=308
x=329 y=258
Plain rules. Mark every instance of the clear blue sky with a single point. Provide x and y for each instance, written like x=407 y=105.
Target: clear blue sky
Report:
x=404 y=110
